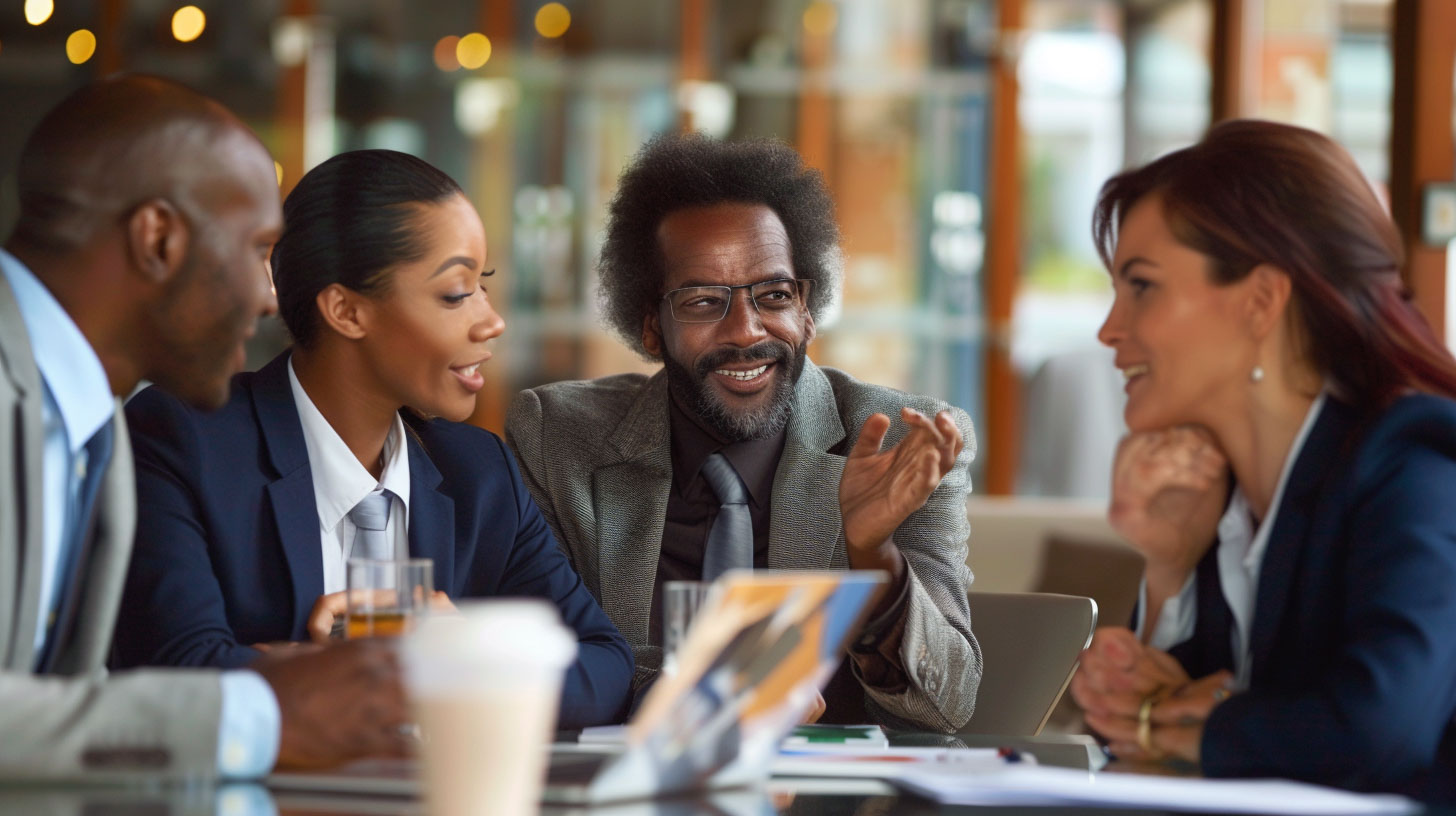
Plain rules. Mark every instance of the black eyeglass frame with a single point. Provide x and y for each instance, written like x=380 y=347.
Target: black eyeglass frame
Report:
x=802 y=287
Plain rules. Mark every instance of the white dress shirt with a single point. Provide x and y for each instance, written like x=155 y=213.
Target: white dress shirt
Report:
x=340 y=482
x=77 y=402
x=1240 y=556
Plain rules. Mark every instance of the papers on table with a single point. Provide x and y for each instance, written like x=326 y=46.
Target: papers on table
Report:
x=879 y=763
x=1032 y=785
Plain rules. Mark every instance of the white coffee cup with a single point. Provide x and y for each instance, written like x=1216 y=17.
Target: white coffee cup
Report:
x=486 y=686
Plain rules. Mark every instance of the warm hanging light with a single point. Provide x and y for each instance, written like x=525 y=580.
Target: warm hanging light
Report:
x=445 y=58
x=38 y=11
x=820 y=18
x=473 y=51
x=552 y=20
x=188 y=23
x=80 y=46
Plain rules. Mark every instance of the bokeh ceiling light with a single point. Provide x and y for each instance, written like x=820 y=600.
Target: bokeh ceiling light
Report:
x=473 y=51
x=820 y=18
x=80 y=46
x=552 y=20
x=188 y=23
x=38 y=11
x=445 y=58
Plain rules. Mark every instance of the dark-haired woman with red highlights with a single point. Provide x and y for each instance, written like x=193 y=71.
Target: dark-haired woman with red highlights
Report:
x=1290 y=474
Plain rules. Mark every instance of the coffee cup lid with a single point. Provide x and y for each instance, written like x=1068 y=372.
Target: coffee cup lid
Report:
x=489 y=639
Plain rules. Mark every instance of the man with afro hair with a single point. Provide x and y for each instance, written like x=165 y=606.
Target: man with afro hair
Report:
x=719 y=259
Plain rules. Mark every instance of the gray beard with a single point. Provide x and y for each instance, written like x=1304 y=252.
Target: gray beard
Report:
x=692 y=391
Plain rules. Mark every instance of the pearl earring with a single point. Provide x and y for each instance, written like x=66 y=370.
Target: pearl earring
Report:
x=1257 y=375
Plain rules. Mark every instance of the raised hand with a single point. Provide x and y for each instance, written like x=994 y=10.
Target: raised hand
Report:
x=1169 y=489
x=881 y=488
x=338 y=703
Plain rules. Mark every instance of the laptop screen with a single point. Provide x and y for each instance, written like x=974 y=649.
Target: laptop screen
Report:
x=760 y=648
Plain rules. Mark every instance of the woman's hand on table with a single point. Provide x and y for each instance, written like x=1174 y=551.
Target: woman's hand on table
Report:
x=816 y=710
x=1116 y=667
x=1174 y=723
x=335 y=605
x=1141 y=701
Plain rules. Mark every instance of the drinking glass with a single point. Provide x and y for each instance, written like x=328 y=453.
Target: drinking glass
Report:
x=387 y=598
x=680 y=602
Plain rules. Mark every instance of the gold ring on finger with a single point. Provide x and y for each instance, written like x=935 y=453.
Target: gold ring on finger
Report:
x=1145 y=724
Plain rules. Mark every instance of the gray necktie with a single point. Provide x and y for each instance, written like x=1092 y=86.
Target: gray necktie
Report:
x=371 y=516
x=730 y=542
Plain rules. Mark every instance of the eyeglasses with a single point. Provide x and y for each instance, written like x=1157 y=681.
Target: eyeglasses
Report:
x=709 y=304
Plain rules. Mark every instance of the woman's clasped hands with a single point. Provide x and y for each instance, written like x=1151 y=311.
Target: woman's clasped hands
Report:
x=1140 y=699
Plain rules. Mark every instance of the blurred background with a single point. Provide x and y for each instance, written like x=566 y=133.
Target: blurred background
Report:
x=964 y=141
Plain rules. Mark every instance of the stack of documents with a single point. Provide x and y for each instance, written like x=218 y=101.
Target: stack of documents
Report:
x=1040 y=786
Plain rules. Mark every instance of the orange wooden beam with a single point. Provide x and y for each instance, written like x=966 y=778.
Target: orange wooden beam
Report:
x=1000 y=438
x=1424 y=50
x=110 y=32
x=292 y=108
x=1234 y=57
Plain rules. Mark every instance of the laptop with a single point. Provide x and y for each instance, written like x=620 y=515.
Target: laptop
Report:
x=760 y=648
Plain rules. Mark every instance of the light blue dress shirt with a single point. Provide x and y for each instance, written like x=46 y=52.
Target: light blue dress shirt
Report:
x=76 y=404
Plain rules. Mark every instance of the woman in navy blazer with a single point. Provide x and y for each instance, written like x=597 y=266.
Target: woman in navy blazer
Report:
x=380 y=279
x=1290 y=474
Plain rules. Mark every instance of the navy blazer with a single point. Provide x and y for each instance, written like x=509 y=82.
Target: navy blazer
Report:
x=1353 y=640
x=228 y=550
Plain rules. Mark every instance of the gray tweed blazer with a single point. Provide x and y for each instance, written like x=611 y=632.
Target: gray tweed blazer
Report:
x=595 y=455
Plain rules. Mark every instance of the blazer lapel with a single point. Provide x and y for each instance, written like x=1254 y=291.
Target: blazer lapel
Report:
x=20 y=559
x=431 y=515
x=804 y=525
x=91 y=602
x=633 y=492
x=1326 y=442
x=291 y=494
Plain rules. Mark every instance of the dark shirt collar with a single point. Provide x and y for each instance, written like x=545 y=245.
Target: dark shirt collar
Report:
x=693 y=442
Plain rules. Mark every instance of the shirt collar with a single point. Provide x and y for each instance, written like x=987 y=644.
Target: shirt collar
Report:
x=1237 y=525
x=339 y=480
x=756 y=460
x=67 y=363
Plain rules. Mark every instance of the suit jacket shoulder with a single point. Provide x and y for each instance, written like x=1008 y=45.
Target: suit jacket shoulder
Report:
x=580 y=408
x=79 y=723
x=857 y=400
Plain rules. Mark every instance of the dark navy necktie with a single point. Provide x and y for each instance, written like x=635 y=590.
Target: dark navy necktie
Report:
x=78 y=532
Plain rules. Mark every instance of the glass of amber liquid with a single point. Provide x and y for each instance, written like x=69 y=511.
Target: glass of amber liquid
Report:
x=387 y=598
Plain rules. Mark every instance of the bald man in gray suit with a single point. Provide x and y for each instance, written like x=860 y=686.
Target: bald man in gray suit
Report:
x=146 y=214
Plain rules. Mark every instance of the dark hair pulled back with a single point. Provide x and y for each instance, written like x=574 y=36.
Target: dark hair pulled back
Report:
x=349 y=221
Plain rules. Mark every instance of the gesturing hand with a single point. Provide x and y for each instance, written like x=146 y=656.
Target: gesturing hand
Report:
x=338 y=703
x=880 y=489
